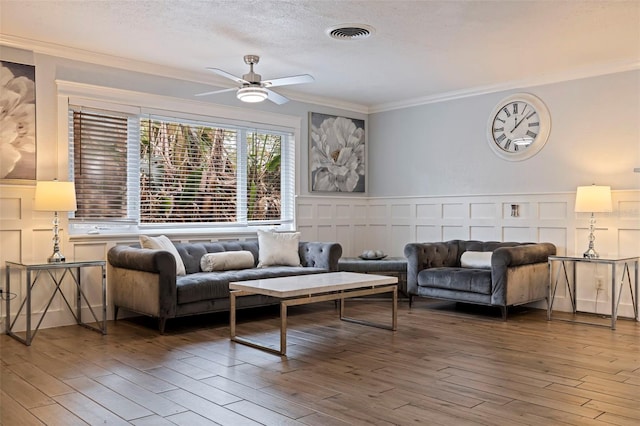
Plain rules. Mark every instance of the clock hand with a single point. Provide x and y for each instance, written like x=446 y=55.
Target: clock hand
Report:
x=523 y=117
x=518 y=123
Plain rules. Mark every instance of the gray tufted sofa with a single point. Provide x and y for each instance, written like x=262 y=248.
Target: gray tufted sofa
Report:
x=518 y=273
x=144 y=281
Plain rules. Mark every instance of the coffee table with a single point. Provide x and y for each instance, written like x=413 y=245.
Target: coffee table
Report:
x=305 y=289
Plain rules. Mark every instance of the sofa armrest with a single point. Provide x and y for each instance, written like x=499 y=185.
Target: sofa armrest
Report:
x=505 y=261
x=522 y=255
x=320 y=255
x=416 y=261
x=139 y=259
x=144 y=280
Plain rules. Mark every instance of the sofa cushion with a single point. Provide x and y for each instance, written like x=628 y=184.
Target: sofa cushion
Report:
x=191 y=253
x=215 y=285
x=460 y=279
x=163 y=243
x=225 y=261
x=278 y=248
x=476 y=259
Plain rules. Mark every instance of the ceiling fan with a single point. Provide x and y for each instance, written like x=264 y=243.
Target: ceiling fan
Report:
x=253 y=88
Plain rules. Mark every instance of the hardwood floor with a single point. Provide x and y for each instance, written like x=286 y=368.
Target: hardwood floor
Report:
x=446 y=365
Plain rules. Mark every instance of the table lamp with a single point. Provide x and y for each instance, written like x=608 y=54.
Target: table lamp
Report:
x=55 y=196
x=593 y=199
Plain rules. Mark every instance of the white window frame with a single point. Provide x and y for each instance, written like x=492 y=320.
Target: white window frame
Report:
x=139 y=103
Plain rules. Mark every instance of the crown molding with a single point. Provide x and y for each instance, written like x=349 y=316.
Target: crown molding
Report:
x=45 y=48
x=586 y=72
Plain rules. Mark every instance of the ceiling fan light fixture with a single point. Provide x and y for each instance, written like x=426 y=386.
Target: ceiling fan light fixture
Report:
x=252 y=94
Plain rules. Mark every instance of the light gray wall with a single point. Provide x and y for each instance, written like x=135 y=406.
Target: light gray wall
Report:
x=441 y=148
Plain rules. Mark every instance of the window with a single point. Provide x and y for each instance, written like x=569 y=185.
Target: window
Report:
x=151 y=170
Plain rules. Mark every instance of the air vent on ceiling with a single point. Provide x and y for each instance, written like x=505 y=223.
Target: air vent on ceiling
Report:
x=350 y=31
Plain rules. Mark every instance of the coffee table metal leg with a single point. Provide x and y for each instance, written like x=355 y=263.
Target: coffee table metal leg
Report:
x=232 y=326
x=232 y=314
x=394 y=309
x=283 y=328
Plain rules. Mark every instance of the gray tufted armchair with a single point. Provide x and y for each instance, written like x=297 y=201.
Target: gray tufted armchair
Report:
x=517 y=274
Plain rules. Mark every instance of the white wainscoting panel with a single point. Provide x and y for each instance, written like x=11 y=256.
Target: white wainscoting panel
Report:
x=454 y=232
x=517 y=233
x=428 y=211
x=483 y=210
x=454 y=211
x=426 y=233
x=359 y=223
x=484 y=233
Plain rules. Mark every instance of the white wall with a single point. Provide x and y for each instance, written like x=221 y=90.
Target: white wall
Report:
x=431 y=175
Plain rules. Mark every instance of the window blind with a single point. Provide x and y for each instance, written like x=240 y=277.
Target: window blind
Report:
x=99 y=155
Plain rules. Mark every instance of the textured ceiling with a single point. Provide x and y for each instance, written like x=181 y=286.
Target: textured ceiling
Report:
x=419 y=50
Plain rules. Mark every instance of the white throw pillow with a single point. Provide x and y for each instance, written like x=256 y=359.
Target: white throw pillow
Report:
x=278 y=248
x=163 y=243
x=476 y=259
x=226 y=261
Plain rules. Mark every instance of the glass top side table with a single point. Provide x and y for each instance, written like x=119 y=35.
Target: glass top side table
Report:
x=69 y=268
x=627 y=263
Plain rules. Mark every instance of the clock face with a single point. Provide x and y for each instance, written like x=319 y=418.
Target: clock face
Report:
x=518 y=127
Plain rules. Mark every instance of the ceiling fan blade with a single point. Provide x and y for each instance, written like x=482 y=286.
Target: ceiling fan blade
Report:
x=229 y=76
x=276 y=98
x=216 y=91
x=284 y=81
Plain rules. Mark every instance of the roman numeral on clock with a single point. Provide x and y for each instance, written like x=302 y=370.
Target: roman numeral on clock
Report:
x=500 y=138
x=499 y=129
x=531 y=134
x=533 y=124
x=515 y=108
x=507 y=144
x=506 y=111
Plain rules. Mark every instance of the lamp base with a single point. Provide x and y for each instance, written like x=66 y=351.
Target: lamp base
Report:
x=56 y=257
x=590 y=254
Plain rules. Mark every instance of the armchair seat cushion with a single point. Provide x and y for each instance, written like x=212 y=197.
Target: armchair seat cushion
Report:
x=457 y=279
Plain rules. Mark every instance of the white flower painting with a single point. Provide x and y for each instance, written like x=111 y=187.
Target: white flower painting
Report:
x=17 y=121
x=336 y=153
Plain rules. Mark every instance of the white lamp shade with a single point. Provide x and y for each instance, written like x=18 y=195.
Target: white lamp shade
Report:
x=593 y=199
x=55 y=196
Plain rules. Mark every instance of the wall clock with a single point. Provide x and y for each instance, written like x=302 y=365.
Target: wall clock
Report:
x=518 y=127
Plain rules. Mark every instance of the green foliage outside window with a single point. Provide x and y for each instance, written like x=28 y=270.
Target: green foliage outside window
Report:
x=189 y=173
